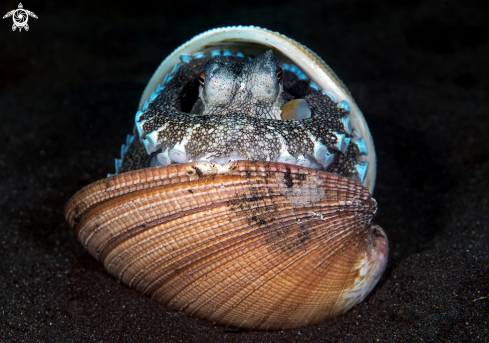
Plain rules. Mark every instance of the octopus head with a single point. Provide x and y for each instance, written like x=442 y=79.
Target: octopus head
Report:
x=254 y=88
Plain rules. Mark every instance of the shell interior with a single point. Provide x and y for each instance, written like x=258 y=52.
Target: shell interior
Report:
x=253 y=41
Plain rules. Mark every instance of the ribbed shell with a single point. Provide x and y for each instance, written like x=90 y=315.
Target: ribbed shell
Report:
x=247 y=244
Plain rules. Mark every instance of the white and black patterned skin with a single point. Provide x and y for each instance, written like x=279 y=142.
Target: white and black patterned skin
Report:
x=239 y=117
x=249 y=88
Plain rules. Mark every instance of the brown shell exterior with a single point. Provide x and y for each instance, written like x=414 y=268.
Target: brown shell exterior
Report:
x=240 y=244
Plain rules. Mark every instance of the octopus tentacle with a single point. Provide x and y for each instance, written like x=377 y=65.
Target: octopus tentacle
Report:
x=167 y=131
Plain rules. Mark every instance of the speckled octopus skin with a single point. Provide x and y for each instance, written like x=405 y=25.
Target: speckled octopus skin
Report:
x=243 y=125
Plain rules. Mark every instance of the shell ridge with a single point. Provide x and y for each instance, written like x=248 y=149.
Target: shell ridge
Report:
x=208 y=258
x=157 y=235
x=154 y=265
x=341 y=295
x=165 y=199
x=221 y=266
x=224 y=289
x=325 y=262
x=265 y=317
x=252 y=291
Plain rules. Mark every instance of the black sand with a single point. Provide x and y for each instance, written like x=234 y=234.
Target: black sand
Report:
x=69 y=88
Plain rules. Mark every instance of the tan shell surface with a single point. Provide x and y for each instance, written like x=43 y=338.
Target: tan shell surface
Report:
x=258 y=245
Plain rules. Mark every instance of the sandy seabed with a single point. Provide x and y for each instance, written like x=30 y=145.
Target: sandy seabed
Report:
x=69 y=88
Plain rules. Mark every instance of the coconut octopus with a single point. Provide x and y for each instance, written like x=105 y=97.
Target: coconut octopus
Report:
x=243 y=195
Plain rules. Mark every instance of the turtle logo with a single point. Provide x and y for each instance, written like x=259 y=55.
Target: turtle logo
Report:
x=20 y=17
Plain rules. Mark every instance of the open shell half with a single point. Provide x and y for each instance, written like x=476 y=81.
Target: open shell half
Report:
x=253 y=40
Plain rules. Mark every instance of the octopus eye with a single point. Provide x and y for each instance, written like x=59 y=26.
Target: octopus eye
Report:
x=280 y=73
x=202 y=78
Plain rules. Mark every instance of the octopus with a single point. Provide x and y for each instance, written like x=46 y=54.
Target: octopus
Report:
x=230 y=107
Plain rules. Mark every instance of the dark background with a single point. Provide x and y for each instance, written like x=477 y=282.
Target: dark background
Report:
x=69 y=88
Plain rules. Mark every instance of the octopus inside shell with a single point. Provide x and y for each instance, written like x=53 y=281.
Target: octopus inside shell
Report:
x=244 y=195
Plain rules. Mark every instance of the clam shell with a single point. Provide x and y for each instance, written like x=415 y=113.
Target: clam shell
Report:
x=258 y=245
x=252 y=40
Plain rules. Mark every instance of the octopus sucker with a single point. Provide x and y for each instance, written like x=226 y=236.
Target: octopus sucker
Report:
x=243 y=195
